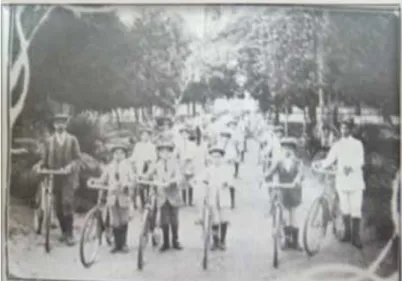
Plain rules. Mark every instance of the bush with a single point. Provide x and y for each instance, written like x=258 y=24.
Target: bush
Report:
x=24 y=181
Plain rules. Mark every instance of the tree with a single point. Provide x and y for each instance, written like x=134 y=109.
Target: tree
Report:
x=118 y=59
x=309 y=57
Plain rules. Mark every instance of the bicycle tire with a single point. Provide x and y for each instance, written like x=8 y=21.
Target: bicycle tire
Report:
x=143 y=239
x=276 y=228
x=47 y=219
x=311 y=216
x=206 y=237
x=92 y=218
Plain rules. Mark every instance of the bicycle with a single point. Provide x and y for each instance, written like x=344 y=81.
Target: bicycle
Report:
x=323 y=210
x=44 y=209
x=278 y=223
x=95 y=224
x=150 y=220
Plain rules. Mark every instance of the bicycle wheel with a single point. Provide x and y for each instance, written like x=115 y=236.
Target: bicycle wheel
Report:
x=47 y=219
x=277 y=234
x=315 y=226
x=143 y=240
x=207 y=223
x=91 y=237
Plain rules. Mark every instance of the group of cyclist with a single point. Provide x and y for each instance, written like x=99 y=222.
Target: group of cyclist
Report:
x=204 y=155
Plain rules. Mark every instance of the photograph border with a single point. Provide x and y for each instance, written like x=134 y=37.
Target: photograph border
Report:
x=5 y=140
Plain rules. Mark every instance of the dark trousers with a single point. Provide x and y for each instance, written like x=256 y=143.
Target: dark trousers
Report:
x=187 y=191
x=170 y=221
x=120 y=236
x=144 y=194
x=64 y=205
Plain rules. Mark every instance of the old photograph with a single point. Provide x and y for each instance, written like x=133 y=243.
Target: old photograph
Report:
x=201 y=142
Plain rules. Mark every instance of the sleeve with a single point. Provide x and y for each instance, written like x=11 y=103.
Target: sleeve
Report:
x=134 y=154
x=177 y=174
x=153 y=172
x=104 y=178
x=46 y=153
x=331 y=157
x=76 y=149
x=152 y=154
x=357 y=161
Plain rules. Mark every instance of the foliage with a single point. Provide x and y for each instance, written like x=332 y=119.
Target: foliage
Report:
x=295 y=51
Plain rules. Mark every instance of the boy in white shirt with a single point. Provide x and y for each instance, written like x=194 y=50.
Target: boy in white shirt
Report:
x=214 y=188
x=348 y=153
x=143 y=156
x=186 y=152
x=231 y=157
x=167 y=171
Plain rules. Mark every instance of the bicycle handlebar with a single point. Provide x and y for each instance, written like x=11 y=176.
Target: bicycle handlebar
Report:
x=52 y=172
x=315 y=167
x=279 y=185
x=93 y=183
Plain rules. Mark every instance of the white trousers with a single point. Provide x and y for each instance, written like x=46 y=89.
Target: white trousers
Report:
x=351 y=202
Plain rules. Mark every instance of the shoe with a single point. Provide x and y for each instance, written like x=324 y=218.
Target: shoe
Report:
x=232 y=198
x=114 y=250
x=177 y=246
x=356 y=241
x=288 y=239
x=214 y=247
x=125 y=249
x=164 y=248
x=63 y=238
x=222 y=242
x=165 y=235
x=295 y=239
x=175 y=237
x=347 y=235
x=190 y=196
x=70 y=241
x=123 y=236
x=215 y=238
x=154 y=241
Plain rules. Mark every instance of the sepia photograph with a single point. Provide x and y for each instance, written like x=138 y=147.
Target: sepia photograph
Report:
x=201 y=142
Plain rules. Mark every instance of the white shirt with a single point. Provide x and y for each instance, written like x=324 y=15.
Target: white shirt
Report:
x=143 y=152
x=216 y=184
x=347 y=152
x=166 y=171
x=122 y=169
x=61 y=137
x=186 y=149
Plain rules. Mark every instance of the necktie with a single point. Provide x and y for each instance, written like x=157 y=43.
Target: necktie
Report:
x=165 y=166
x=116 y=174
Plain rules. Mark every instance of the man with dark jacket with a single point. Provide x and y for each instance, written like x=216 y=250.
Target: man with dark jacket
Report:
x=62 y=151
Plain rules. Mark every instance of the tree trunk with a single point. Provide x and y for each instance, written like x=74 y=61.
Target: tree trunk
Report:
x=277 y=115
x=150 y=111
x=136 y=115
x=144 y=114
x=116 y=113
x=335 y=116
x=194 y=108
x=358 y=108
x=188 y=108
